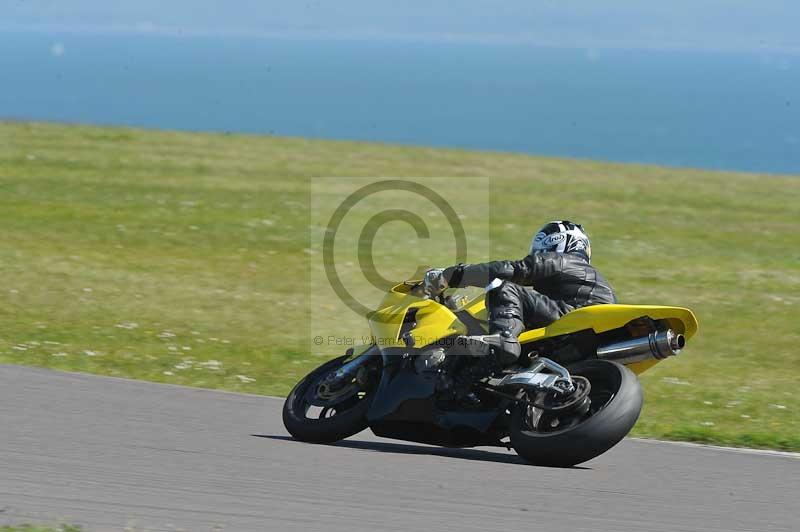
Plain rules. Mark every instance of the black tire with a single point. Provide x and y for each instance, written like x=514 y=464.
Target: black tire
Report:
x=613 y=385
x=324 y=430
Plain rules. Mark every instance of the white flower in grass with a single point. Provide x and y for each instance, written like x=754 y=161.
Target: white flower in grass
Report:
x=59 y=354
x=166 y=334
x=127 y=325
x=675 y=380
x=245 y=379
x=707 y=423
x=168 y=373
x=20 y=347
x=211 y=364
x=779 y=407
x=90 y=353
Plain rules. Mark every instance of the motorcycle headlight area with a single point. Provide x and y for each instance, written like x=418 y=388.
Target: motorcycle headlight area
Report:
x=429 y=359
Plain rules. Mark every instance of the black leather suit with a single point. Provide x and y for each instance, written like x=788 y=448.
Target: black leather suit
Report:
x=537 y=290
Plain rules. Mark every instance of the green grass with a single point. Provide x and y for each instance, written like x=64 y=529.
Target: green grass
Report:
x=185 y=258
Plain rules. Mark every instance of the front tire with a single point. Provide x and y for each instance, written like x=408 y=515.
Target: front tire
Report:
x=349 y=417
x=616 y=403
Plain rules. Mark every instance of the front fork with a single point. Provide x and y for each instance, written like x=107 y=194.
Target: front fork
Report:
x=351 y=370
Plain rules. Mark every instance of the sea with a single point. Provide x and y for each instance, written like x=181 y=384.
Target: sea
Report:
x=734 y=110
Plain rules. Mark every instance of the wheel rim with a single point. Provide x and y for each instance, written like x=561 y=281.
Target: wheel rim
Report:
x=319 y=402
x=603 y=389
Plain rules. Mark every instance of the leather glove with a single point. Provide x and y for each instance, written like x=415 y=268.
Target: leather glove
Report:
x=434 y=282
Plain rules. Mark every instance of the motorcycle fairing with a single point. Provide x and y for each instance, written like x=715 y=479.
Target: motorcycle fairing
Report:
x=404 y=407
x=435 y=321
x=432 y=322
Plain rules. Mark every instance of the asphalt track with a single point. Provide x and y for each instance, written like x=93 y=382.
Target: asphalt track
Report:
x=113 y=454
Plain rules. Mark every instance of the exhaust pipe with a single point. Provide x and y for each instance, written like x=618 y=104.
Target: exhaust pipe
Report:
x=658 y=345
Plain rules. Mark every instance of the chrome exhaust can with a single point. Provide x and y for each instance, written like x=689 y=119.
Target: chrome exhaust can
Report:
x=656 y=345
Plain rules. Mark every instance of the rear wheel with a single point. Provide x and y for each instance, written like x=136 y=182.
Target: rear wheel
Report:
x=317 y=412
x=563 y=437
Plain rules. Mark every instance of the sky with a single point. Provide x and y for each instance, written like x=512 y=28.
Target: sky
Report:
x=694 y=24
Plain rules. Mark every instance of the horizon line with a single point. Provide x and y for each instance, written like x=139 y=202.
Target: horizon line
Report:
x=544 y=41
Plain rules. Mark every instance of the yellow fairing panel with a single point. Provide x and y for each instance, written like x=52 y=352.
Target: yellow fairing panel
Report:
x=477 y=307
x=602 y=318
x=434 y=321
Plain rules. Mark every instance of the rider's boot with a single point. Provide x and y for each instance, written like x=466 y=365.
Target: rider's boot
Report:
x=503 y=346
x=492 y=353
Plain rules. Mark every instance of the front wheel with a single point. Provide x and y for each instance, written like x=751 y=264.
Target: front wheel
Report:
x=564 y=438
x=314 y=413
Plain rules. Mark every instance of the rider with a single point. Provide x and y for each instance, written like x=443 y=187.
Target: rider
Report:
x=555 y=278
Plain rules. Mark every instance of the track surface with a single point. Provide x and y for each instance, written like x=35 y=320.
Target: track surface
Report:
x=111 y=454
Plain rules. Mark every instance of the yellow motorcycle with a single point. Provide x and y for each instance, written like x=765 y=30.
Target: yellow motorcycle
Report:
x=572 y=396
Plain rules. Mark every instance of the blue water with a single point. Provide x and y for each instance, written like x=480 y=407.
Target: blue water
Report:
x=738 y=111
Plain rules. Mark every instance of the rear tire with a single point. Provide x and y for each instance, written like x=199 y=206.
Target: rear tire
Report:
x=620 y=393
x=342 y=425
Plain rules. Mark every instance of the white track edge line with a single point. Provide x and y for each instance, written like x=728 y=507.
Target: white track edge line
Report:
x=743 y=450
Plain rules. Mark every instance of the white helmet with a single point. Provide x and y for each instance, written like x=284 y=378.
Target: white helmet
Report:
x=562 y=236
